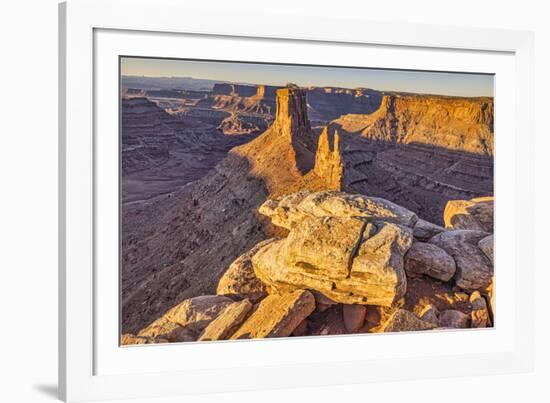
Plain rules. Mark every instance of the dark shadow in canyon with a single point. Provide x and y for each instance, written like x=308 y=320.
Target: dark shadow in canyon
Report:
x=179 y=246
x=420 y=177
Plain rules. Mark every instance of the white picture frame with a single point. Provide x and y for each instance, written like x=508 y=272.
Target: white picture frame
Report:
x=92 y=366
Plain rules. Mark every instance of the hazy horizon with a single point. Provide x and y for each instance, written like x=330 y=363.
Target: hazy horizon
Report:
x=421 y=82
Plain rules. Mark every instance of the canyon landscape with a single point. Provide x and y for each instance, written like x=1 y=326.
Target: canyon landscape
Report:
x=257 y=210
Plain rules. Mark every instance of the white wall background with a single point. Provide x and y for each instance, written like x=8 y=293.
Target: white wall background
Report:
x=28 y=200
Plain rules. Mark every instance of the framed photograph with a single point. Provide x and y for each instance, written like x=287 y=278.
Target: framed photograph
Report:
x=249 y=201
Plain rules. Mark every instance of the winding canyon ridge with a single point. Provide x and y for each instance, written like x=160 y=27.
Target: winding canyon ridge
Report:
x=253 y=211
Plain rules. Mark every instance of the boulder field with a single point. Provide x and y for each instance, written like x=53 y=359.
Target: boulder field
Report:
x=348 y=264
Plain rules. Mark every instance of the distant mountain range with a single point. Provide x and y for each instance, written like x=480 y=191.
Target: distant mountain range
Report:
x=169 y=83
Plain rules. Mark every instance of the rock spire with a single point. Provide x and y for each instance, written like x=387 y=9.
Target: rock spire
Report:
x=328 y=160
x=291 y=116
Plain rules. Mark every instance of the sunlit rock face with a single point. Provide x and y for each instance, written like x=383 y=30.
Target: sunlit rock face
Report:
x=338 y=246
x=277 y=316
x=458 y=124
x=420 y=151
x=328 y=159
x=293 y=208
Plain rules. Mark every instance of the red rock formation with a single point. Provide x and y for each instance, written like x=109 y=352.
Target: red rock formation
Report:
x=461 y=124
x=420 y=151
x=284 y=153
x=291 y=118
x=328 y=160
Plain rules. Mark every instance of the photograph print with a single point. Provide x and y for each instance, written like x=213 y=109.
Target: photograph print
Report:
x=264 y=200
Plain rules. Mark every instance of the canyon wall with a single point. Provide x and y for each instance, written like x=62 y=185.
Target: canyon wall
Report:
x=140 y=149
x=459 y=124
x=163 y=151
x=420 y=151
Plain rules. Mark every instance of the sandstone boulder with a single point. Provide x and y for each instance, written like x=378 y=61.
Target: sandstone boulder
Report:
x=480 y=312
x=377 y=316
x=378 y=266
x=423 y=230
x=373 y=317
x=348 y=260
x=454 y=319
x=324 y=245
x=430 y=260
x=489 y=292
x=131 y=339
x=354 y=317
x=277 y=316
x=322 y=300
x=486 y=245
x=428 y=313
x=293 y=208
x=473 y=269
x=240 y=281
x=405 y=321
x=227 y=321
x=194 y=314
x=425 y=292
x=475 y=214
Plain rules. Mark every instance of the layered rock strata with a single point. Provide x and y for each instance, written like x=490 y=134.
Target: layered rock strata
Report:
x=461 y=124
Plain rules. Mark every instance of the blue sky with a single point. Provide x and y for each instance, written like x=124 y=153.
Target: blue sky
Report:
x=457 y=84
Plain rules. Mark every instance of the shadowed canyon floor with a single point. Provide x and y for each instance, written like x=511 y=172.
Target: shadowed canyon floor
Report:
x=244 y=218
